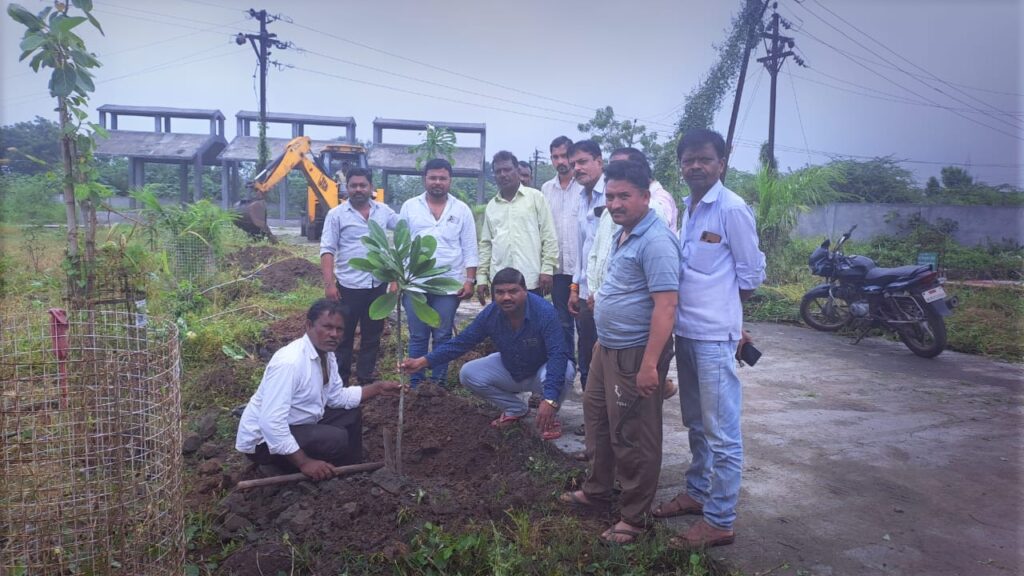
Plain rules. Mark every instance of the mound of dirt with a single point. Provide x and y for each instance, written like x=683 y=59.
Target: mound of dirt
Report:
x=457 y=470
x=284 y=276
x=252 y=257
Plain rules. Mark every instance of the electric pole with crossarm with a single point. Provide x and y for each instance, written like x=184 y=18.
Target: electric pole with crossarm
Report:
x=265 y=40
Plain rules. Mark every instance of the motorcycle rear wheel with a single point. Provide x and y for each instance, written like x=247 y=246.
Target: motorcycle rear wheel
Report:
x=926 y=338
x=824 y=313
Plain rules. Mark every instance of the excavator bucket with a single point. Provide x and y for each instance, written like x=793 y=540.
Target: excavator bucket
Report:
x=251 y=217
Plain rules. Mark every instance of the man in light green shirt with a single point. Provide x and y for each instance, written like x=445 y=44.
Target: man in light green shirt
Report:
x=517 y=232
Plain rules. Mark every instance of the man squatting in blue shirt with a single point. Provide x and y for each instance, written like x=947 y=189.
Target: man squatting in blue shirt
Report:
x=531 y=356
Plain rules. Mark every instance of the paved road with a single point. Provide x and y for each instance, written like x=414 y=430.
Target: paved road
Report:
x=868 y=460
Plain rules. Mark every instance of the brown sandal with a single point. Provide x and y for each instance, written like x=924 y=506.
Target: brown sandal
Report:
x=681 y=505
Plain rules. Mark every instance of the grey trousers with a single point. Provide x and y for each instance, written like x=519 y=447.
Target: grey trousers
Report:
x=488 y=378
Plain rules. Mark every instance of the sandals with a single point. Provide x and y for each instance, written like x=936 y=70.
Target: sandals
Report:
x=504 y=421
x=629 y=535
x=577 y=499
x=681 y=505
x=554 y=432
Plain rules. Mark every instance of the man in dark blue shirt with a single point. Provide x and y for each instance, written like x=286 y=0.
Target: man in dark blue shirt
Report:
x=531 y=354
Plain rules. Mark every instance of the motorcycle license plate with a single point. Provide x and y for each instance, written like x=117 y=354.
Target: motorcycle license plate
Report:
x=934 y=294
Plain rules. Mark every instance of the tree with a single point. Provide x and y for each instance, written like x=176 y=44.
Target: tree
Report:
x=611 y=133
x=956 y=178
x=50 y=42
x=704 y=100
x=880 y=180
x=932 y=189
x=31 y=147
x=438 y=143
x=410 y=264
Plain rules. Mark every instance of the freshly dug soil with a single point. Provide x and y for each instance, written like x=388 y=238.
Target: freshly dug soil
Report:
x=252 y=257
x=457 y=471
x=284 y=276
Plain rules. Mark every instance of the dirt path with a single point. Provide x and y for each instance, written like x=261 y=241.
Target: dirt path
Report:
x=868 y=460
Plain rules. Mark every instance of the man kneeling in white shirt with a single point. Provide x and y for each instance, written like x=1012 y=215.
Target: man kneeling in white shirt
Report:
x=302 y=416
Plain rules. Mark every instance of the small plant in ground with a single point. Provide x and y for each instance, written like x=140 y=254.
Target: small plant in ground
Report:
x=410 y=265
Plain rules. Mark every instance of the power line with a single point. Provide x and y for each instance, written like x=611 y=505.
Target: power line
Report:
x=838 y=155
x=461 y=74
x=141 y=46
x=154 y=68
x=886 y=96
x=441 y=85
x=791 y=14
x=425 y=95
x=799 y=116
x=901 y=57
x=859 y=63
x=173 y=19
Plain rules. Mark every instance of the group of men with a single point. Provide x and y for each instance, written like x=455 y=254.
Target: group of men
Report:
x=625 y=271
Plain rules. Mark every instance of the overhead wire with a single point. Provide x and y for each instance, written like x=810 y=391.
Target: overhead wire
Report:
x=799 y=116
x=886 y=78
x=425 y=95
x=905 y=59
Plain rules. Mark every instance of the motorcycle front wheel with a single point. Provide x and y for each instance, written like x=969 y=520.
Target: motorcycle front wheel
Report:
x=824 y=312
x=926 y=337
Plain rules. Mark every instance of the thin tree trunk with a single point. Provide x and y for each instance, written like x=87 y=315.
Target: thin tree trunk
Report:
x=69 y=181
x=401 y=395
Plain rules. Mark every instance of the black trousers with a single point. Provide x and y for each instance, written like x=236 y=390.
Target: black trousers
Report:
x=358 y=301
x=560 y=298
x=337 y=439
x=587 y=331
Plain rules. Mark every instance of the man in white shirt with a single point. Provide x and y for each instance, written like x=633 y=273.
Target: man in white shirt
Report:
x=345 y=226
x=588 y=168
x=721 y=266
x=450 y=221
x=563 y=195
x=302 y=416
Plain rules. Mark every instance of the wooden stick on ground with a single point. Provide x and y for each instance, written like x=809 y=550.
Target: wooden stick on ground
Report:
x=286 y=478
x=389 y=450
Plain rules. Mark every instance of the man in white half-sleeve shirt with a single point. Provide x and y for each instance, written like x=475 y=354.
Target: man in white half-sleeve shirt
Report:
x=301 y=416
x=450 y=221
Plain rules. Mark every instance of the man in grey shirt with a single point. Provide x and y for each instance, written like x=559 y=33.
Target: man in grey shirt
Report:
x=344 y=228
x=634 y=317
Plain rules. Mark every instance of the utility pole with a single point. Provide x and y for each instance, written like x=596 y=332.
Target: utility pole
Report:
x=779 y=50
x=751 y=40
x=536 y=162
x=265 y=40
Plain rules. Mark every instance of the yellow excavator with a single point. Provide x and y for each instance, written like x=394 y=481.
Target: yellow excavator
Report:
x=322 y=193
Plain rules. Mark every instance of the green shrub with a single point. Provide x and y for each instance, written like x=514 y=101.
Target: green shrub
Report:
x=30 y=199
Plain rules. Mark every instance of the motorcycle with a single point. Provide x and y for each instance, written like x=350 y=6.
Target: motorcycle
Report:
x=908 y=301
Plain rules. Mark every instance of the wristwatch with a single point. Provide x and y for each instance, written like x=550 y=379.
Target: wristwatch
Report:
x=553 y=403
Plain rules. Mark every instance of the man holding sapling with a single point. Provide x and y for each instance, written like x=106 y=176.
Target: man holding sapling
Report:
x=345 y=226
x=302 y=416
x=450 y=221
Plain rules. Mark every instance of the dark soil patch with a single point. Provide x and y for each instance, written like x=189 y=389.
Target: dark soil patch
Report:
x=458 y=471
x=252 y=257
x=284 y=276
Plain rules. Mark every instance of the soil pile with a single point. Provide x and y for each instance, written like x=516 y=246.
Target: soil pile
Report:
x=252 y=257
x=284 y=276
x=457 y=470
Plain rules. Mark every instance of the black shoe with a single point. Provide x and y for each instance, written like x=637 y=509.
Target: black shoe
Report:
x=580 y=430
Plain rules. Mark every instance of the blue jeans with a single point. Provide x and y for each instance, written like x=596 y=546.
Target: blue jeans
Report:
x=420 y=334
x=710 y=396
x=488 y=378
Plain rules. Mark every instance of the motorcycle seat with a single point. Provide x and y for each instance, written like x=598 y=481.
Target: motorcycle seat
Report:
x=889 y=275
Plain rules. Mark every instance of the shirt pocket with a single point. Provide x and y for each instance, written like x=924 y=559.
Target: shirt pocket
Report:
x=705 y=255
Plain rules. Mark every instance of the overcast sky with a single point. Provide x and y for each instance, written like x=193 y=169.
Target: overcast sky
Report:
x=931 y=82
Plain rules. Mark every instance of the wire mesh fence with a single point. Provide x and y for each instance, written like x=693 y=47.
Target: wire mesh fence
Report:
x=90 y=462
x=191 y=258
